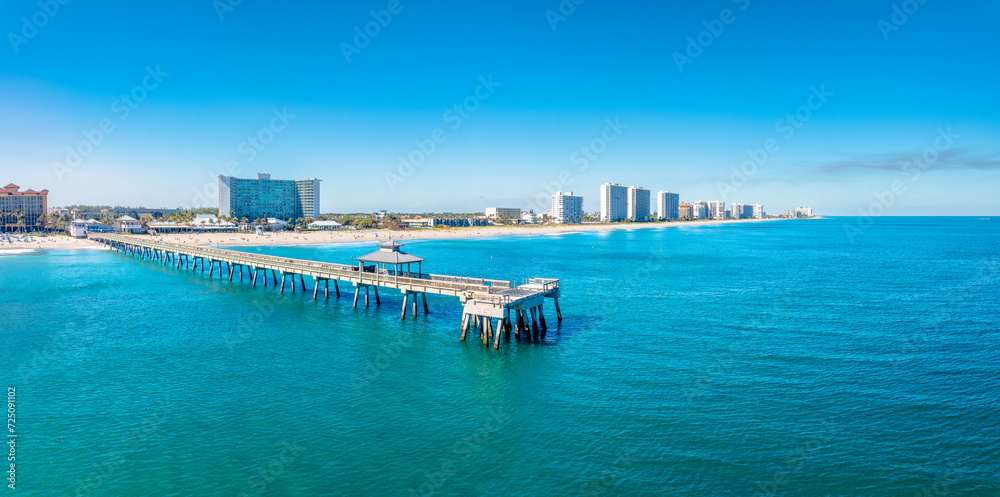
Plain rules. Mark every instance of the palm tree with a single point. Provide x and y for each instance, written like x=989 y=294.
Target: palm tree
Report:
x=3 y=220
x=20 y=221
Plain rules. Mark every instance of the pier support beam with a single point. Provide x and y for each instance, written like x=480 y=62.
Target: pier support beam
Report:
x=465 y=322
x=423 y=295
x=316 y=289
x=558 y=312
x=357 y=290
x=326 y=288
x=336 y=287
x=402 y=315
x=283 y=283
x=378 y=301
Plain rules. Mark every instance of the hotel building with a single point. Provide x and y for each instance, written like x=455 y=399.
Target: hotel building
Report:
x=684 y=212
x=264 y=197
x=567 y=208
x=667 y=205
x=638 y=204
x=614 y=203
x=22 y=210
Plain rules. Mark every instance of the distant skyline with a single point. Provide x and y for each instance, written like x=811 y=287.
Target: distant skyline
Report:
x=456 y=106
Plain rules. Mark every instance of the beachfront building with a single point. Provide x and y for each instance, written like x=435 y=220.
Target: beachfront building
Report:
x=716 y=209
x=511 y=213
x=740 y=211
x=667 y=204
x=323 y=225
x=77 y=228
x=614 y=203
x=699 y=210
x=567 y=208
x=684 y=211
x=430 y=222
x=529 y=217
x=638 y=203
x=128 y=224
x=208 y=222
x=758 y=211
x=22 y=210
x=804 y=211
x=264 y=197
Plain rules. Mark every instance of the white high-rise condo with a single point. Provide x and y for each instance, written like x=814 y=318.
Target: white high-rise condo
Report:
x=716 y=209
x=758 y=211
x=740 y=211
x=638 y=203
x=699 y=210
x=614 y=203
x=668 y=205
x=567 y=208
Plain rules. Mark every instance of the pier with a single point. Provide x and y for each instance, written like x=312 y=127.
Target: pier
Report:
x=491 y=307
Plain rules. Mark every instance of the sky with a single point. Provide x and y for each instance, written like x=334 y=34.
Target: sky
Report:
x=453 y=106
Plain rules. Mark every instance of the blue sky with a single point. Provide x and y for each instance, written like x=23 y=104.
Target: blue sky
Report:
x=293 y=90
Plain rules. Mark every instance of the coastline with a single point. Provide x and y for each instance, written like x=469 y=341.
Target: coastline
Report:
x=63 y=242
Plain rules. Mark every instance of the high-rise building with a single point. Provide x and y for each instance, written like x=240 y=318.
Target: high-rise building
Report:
x=667 y=204
x=264 y=197
x=638 y=203
x=804 y=211
x=699 y=210
x=684 y=211
x=22 y=210
x=740 y=211
x=614 y=203
x=758 y=211
x=716 y=209
x=567 y=208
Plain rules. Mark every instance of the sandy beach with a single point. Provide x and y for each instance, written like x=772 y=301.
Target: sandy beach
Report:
x=46 y=242
x=354 y=236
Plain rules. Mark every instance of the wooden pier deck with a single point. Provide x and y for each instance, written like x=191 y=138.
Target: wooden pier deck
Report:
x=514 y=308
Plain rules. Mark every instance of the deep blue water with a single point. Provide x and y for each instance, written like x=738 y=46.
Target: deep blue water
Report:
x=775 y=358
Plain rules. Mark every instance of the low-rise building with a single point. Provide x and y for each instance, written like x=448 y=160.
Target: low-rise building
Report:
x=512 y=213
x=128 y=224
x=324 y=225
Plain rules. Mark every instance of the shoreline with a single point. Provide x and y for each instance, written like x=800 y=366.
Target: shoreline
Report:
x=366 y=236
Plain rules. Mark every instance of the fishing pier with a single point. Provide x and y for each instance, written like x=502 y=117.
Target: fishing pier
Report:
x=491 y=307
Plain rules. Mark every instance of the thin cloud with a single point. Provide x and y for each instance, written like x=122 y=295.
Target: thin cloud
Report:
x=950 y=160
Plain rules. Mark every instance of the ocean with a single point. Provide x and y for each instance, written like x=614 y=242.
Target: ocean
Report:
x=804 y=357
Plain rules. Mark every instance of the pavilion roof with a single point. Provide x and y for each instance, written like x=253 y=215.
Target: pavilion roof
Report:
x=389 y=253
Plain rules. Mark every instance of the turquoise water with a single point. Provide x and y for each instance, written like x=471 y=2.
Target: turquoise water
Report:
x=756 y=359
